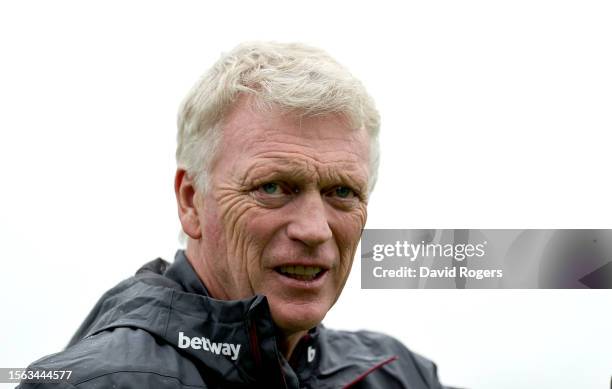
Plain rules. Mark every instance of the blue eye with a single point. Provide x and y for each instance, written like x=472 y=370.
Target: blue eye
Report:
x=270 y=187
x=344 y=192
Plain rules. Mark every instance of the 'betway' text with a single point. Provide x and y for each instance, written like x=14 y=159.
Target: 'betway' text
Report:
x=202 y=343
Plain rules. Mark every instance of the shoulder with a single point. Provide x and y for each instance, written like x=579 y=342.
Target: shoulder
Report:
x=125 y=357
x=404 y=365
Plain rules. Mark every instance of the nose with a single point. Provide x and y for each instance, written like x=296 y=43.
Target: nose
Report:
x=309 y=223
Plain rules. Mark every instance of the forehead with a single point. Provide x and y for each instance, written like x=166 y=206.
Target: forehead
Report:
x=281 y=141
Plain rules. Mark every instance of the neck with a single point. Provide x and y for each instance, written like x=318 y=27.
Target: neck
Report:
x=192 y=252
x=288 y=343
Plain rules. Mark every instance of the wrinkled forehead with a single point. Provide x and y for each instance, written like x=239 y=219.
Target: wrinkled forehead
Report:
x=249 y=122
x=280 y=139
x=251 y=109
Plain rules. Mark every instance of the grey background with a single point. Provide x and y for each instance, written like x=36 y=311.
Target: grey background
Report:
x=529 y=259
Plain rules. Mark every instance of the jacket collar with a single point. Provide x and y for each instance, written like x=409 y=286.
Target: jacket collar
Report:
x=181 y=272
x=236 y=339
x=233 y=342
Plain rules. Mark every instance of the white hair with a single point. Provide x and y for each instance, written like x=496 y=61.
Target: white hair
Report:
x=292 y=76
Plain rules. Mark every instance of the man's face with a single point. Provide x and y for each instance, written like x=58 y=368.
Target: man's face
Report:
x=284 y=211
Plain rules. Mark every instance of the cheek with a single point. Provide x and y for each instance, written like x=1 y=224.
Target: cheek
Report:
x=247 y=230
x=215 y=241
x=234 y=210
x=262 y=227
x=347 y=229
x=212 y=228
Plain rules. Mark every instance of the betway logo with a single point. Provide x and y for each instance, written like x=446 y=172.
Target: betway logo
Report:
x=230 y=349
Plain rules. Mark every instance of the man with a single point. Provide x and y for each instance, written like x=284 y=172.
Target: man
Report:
x=277 y=154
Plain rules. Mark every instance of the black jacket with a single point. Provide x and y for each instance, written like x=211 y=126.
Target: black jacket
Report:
x=159 y=329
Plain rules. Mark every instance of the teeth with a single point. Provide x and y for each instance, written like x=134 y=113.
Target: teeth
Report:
x=307 y=272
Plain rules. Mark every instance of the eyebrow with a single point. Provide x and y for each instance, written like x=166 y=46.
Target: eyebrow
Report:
x=292 y=170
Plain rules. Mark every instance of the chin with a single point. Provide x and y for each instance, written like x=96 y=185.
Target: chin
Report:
x=292 y=318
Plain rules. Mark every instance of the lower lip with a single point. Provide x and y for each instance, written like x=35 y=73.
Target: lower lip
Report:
x=299 y=284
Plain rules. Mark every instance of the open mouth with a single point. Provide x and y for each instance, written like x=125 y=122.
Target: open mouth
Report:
x=301 y=273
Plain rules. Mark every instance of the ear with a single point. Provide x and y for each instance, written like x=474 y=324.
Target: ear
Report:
x=185 y=191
